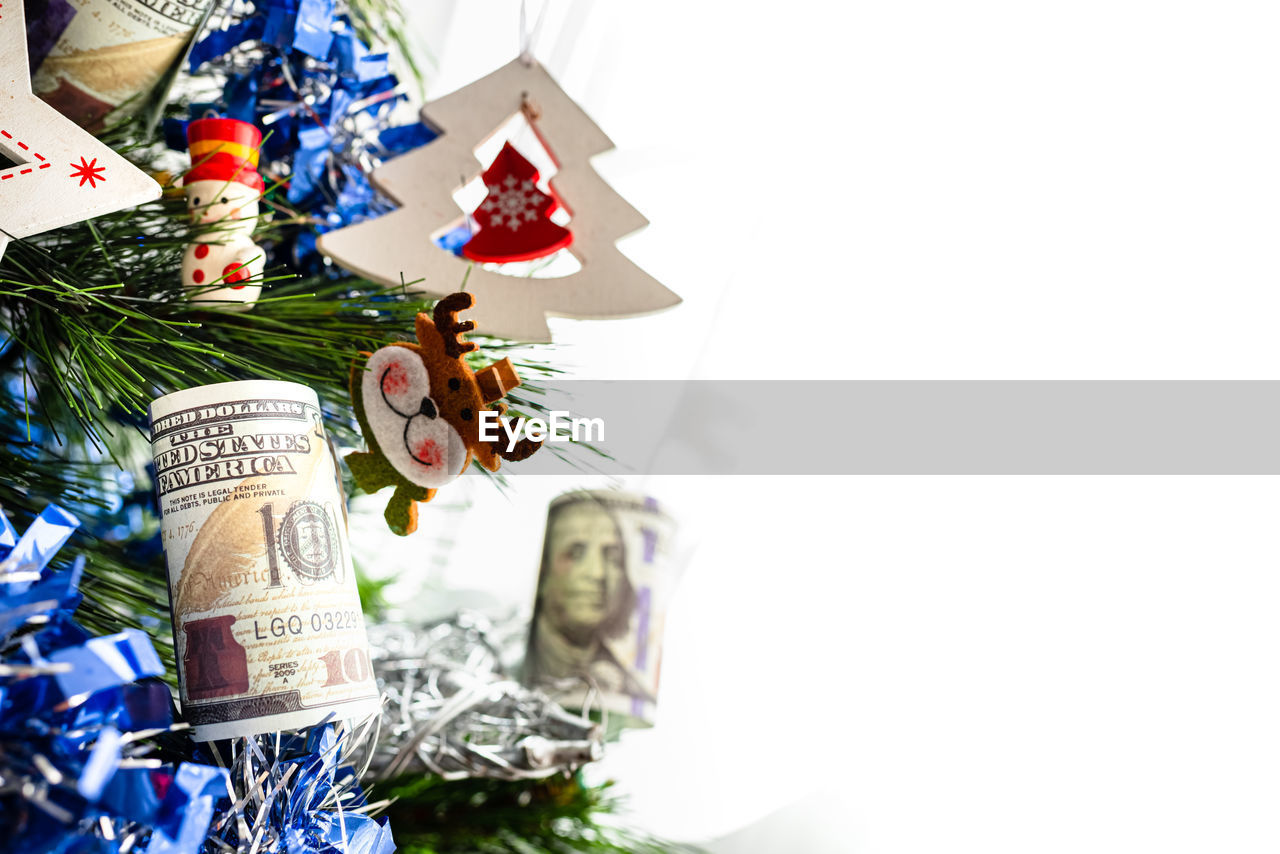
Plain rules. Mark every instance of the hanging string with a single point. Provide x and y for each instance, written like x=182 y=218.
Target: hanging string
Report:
x=528 y=37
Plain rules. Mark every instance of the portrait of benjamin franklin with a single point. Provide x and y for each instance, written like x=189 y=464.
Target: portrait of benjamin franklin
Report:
x=585 y=601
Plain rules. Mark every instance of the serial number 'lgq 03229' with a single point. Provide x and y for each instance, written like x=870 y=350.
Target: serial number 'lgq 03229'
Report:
x=317 y=622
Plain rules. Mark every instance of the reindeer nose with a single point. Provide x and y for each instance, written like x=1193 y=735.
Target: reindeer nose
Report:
x=427 y=408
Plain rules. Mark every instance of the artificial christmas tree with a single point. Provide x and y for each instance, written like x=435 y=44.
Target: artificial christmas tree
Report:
x=96 y=324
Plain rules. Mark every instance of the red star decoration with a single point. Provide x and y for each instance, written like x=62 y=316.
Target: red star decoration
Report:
x=89 y=171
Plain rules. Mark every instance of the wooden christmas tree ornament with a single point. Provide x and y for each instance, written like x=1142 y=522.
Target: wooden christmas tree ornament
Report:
x=61 y=174
x=398 y=246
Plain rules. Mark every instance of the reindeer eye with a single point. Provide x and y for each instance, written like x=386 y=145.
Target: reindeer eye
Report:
x=466 y=413
x=454 y=384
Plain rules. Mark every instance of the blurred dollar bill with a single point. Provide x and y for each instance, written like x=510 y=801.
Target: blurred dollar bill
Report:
x=107 y=51
x=608 y=569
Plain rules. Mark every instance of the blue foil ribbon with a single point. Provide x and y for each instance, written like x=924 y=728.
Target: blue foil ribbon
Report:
x=31 y=552
x=313 y=28
x=183 y=817
x=107 y=662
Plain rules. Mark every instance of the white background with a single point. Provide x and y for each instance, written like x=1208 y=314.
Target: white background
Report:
x=931 y=190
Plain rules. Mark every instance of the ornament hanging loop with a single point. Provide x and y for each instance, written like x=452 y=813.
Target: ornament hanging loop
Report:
x=529 y=36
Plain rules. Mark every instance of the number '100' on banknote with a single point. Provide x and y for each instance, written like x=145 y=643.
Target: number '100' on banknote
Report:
x=266 y=618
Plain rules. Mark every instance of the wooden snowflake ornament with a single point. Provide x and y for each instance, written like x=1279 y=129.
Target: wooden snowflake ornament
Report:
x=398 y=246
x=61 y=173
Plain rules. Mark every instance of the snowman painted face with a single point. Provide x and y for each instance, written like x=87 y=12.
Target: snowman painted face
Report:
x=230 y=203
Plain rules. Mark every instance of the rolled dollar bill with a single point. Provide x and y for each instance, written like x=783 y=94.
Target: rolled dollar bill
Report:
x=266 y=618
x=608 y=571
x=111 y=51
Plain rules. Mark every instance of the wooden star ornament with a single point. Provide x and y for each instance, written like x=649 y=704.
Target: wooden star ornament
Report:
x=61 y=174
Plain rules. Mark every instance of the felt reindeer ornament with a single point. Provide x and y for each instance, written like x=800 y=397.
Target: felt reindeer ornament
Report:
x=419 y=407
x=223 y=187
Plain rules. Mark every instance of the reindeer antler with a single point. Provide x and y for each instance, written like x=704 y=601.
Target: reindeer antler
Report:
x=445 y=318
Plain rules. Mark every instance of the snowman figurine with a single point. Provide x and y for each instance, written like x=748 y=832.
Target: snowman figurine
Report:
x=223 y=187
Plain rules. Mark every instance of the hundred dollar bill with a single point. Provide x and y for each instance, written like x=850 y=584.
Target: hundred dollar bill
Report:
x=609 y=567
x=266 y=617
x=112 y=50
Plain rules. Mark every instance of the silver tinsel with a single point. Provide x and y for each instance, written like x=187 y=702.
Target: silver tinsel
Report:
x=451 y=711
x=294 y=793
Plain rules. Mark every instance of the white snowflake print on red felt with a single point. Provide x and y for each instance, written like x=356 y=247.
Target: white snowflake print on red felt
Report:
x=515 y=218
x=516 y=200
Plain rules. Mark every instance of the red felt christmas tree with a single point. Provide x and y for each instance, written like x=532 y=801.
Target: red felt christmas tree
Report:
x=515 y=218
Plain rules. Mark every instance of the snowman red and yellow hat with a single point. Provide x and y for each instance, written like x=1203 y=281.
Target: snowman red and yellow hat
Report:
x=224 y=150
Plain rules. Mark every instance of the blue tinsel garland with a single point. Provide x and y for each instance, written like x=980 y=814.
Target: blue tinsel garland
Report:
x=78 y=772
x=75 y=773
x=323 y=98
